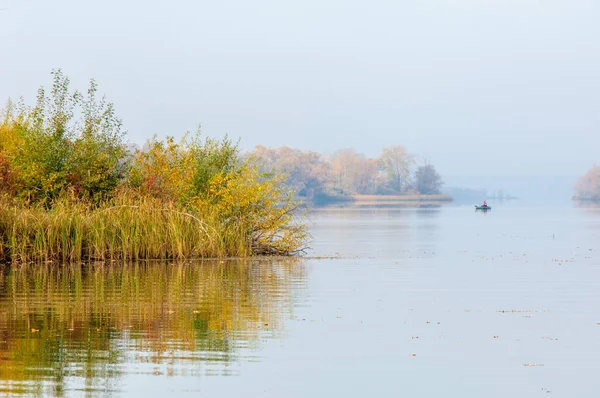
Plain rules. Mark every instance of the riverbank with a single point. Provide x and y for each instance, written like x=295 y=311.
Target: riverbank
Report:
x=413 y=199
x=586 y=199
x=399 y=199
x=140 y=228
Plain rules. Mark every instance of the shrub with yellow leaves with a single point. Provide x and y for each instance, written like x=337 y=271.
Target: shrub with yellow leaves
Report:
x=70 y=190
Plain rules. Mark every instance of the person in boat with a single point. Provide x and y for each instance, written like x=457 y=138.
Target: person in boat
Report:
x=484 y=203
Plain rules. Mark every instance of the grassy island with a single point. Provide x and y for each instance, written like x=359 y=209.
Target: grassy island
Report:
x=72 y=190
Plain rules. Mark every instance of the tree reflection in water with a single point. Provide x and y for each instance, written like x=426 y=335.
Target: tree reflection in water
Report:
x=84 y=327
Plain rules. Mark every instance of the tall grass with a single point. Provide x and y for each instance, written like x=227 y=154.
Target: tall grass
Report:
x=145 y=228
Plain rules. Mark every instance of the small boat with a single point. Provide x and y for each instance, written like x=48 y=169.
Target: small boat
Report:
x=483 y=207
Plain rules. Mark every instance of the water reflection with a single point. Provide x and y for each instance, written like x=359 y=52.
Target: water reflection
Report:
x=588 y=205
x=83 y=328
x=406 y=205
x=389 y=230
x=428 y=213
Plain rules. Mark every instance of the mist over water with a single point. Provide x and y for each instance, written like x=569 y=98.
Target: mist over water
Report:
x=530 y=190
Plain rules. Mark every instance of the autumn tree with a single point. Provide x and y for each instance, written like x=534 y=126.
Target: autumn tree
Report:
x=354 y=173
x=348 y=172
x=396 y=164
x=427 y=180
x=588 y=186
x=307 y=173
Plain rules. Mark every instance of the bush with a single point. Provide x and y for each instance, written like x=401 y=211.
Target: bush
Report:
x=207 y=178
x=70 y=190
x=51 y=151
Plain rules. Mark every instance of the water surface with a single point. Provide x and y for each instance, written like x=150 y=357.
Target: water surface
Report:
x=391 y=302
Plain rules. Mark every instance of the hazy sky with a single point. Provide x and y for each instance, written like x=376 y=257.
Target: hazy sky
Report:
x=507 y=86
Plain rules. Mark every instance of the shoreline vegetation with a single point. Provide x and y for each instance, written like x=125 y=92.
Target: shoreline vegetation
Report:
x=71 y=190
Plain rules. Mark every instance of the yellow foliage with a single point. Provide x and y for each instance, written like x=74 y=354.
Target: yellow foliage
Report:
x=165 y=170
x=588 y=186
x=252 y=208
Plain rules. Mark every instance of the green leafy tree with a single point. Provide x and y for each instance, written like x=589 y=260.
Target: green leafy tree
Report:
x=67 y=143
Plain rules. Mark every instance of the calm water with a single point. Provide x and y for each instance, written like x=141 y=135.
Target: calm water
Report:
x=440 y=302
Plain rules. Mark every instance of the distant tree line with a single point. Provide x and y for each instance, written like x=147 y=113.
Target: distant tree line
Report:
x=347 y=172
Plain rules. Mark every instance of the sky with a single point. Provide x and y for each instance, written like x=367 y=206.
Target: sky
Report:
x=481 y=88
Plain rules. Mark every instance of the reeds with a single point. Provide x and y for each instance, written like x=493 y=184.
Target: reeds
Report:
x=144 y=228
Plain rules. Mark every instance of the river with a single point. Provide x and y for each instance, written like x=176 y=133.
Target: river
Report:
x=419 y=302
